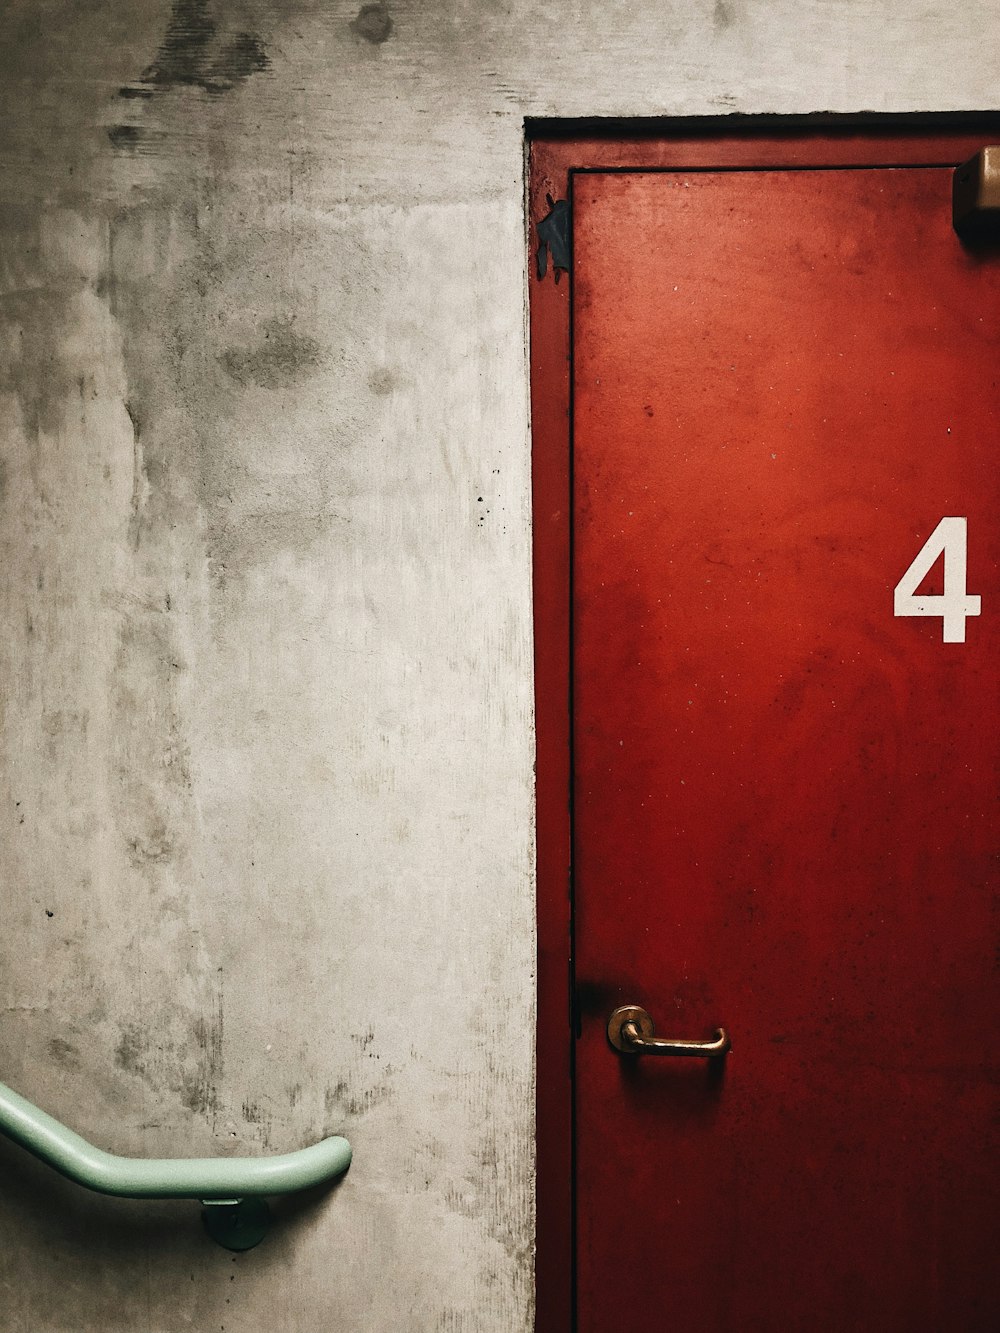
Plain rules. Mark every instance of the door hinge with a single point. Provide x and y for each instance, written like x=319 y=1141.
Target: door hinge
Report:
x=975 y=197
x=554 y=238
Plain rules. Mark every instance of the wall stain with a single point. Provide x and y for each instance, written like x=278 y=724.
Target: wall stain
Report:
x=64 y=729
x=191 y=56
x=183 y=52
x=382 y=382
x=150 y=763
x=139 y=479
x=724 y=15
x=153 y=846
x=373 y=23
x=166 y=265
x=178 y=1052
x=63 y=1053
x=42 y=294
x=282 y=358
x=129 y=1053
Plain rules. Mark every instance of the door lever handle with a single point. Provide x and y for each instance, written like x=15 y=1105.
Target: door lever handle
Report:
x=630 y=1031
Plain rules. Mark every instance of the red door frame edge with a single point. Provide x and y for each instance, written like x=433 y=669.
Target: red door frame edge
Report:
x=556 y=150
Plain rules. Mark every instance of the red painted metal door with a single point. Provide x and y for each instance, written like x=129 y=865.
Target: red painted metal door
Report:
x=784 y=791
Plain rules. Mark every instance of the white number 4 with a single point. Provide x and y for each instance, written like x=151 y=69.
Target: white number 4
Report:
x=950 y=539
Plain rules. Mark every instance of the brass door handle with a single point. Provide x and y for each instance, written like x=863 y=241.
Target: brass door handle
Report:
x=630 y=1030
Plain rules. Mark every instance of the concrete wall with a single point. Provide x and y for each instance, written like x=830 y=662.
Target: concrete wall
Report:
x=265 y=662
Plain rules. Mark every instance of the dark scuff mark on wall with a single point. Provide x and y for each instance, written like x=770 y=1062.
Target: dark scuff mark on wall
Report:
x=281 y=359
x=238 y=59
x=253 y=1114
x=341 y=1098
x=135 y=90
x=200 y=1086
x=366 y=1084
x=373 y=23
x=190 y=56
x=256 y=1115
x=124 y=136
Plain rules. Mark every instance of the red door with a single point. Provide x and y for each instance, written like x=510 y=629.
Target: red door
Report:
x=785 y=767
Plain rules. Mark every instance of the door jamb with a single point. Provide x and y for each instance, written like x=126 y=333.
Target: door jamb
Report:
x=556 y=152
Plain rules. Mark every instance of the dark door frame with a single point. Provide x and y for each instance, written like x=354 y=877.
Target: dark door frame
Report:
x=557 y=151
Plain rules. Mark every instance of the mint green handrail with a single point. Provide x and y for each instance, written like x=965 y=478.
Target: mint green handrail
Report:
x=206 y=1178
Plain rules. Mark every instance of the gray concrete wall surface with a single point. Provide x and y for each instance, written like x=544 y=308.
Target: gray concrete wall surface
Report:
x=265 y=660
